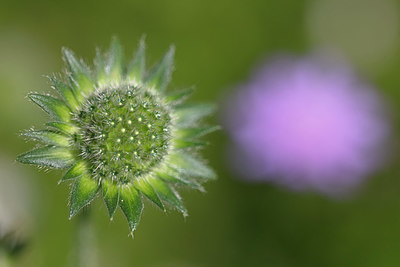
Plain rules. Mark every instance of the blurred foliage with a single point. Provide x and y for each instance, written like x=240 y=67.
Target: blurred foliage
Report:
x=234 y=224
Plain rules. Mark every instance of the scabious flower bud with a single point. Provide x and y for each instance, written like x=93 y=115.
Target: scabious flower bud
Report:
x=116 y=130
x=308 y=124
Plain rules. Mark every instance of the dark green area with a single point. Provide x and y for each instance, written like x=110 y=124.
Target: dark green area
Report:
x=218 y=43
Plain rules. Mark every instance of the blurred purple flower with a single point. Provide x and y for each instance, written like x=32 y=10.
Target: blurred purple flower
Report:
x=308 y=124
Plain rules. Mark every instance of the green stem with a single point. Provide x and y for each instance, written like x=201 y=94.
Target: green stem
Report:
x=5 y=259
x=84 y=250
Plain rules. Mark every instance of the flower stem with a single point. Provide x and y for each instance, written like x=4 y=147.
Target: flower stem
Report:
x=5 y=259
x=84 y=250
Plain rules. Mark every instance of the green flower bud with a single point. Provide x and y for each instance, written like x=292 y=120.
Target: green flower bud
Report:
x=119 y=134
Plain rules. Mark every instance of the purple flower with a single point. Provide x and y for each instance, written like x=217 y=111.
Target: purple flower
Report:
x=308 y=124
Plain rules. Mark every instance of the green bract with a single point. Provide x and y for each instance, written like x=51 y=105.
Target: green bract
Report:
x=119 y=134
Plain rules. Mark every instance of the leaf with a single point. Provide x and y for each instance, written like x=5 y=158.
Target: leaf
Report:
x=113 y=64
x=159 y=77
x=145 y=187
x=80 y=73
x=83 y=192
x=137 y=67
x=111 y=196
x=63 y=127
x=131 y=205
x=167 y=194
x=53 y=106
x=48 y=137
x=179 y=96
x=49 y=156
x=186 y=164
x=190 y=114
x=66 y=92
x=196 y=132
x=75 y=171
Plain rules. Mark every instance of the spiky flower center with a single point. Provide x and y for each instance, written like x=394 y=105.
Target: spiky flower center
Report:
x=124 y=133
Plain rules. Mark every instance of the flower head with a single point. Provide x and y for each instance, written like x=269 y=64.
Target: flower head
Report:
x=117 y=131
x=307 y=124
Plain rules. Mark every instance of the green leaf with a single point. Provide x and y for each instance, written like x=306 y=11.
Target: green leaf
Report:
x=167 y=194
x=190 y=114
x=83 y=192
x=80 y=74
x=145 y=187
x=196 y=132
x=63 y=127
x=137 y=67
x=66 y=92
x=49 y=156
x=111 y=196
x=159 y=77
x=53 y=106
x=48 y=137
x=113 y=65
x=131 y=205
x=75 y=171
x=186 y=164
x=179 y=96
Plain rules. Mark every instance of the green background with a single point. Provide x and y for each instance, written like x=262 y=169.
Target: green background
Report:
x=234 y=223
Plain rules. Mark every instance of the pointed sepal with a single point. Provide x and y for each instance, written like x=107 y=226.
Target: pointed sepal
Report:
x=66 y=93
x=83 y=192
x=188 y=137
x=48 y=137
x=111 y=196
x=131 y=205
x=63 y=127
x=80 y=74
x=196 y=132
x=159 y=77
x=146 y=189
x=168 y=194
x=137 y=67
x=178 y=97
x=172 y=176
x=48 y=156
x=100 y=69
x=186 y=144
x=189 y=165
x=77 y=170
x=52 y=106
x=188 y=115
x=114 y=63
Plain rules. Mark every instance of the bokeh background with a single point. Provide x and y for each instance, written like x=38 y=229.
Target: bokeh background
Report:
x=218 y=44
